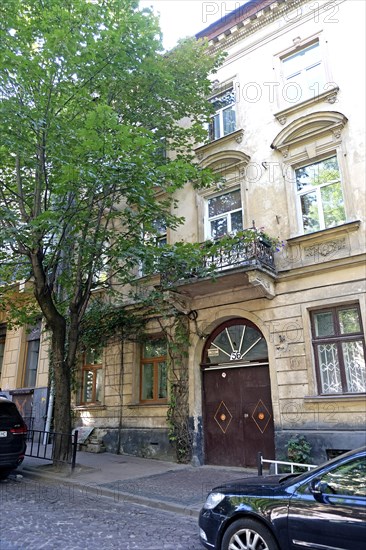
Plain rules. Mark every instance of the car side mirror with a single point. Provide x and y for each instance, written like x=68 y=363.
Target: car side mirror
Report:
x=319 y=489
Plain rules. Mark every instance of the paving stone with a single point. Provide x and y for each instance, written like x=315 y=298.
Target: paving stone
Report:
x=38 y=515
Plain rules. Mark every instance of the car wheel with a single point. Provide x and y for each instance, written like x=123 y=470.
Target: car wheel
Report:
x=4 y=473
x=248 y=534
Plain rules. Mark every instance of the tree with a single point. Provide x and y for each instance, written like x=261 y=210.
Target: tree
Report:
x=89 y=102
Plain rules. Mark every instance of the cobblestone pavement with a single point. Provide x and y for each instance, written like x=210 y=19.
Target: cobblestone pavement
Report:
x=177 y=487
x=41 y=514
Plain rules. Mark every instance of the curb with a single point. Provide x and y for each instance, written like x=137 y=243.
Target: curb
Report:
x=118 y=496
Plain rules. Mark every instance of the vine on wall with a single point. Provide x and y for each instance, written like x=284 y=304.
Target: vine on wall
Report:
x=103 y=323
x=180 y=434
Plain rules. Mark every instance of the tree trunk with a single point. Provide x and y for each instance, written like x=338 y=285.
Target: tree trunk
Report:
x=59 y=366
x=62 y=382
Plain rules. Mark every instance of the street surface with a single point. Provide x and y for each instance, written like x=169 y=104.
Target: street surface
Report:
x=40 y=514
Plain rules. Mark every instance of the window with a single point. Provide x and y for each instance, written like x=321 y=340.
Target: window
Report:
x=2 y=345
x=320 y=195
x=101 y=266
x=303 y=73
x=223 y=121
x=154 y=371
x=161 y=234
x=225 y=214
x=235 y=340
x=154 y=237
x=339 y=349
x=347 y=479
x=91 y=389
x=31 y=364
x=315 y=159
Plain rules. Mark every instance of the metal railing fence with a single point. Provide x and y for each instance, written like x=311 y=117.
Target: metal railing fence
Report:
x=288 y=465
x=42 y=444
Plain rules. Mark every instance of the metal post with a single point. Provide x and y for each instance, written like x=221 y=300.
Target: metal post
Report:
x=260 y=464
x=49 y=415
x=74 y=448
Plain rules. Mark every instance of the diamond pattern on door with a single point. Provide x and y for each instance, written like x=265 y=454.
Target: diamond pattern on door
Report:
x=223 y=416
x=261 y=416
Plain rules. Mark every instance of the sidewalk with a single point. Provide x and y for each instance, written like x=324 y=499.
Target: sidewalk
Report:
x=165 y=485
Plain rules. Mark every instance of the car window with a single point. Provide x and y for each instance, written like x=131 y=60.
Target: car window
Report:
x=348 y=479
x=9 y=412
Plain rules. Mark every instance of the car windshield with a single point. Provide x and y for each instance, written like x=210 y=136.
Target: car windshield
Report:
x=289 y=476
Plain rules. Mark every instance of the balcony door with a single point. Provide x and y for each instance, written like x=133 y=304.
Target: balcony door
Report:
x=237 y=404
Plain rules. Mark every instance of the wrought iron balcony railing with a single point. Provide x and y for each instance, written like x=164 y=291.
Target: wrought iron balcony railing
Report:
x=242 y=253
x=248 y=249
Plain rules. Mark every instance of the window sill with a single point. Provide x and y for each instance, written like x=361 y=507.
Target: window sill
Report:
x=21 y=391
x=237 y=136
x=92 y=406
x=139 y=404
x=329 y=96
x=347 y=227
x=335 y=397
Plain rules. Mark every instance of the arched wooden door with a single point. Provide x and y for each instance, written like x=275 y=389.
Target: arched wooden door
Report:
x=237 y=404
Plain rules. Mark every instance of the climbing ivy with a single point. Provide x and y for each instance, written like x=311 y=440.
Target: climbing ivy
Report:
x=178 y=410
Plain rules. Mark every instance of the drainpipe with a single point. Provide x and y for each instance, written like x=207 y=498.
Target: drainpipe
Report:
x=49 y=415
x=121 y=381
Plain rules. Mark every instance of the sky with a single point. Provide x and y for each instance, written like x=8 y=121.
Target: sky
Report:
x=181 y=18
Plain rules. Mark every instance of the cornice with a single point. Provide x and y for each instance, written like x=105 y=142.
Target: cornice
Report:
x=269 y=14
x=248 y=26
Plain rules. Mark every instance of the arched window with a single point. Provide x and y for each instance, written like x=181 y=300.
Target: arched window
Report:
x=237 y=340
x=314 y=171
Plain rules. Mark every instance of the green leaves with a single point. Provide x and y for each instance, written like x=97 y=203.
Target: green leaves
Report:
x=88 y=104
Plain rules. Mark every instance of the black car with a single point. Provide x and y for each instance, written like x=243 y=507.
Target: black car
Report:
x=323 y=509
x=13 y=432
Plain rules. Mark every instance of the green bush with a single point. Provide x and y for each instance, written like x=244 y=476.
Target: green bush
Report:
x=298 y=449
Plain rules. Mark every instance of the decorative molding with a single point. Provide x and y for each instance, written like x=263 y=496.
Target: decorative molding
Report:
x=219 y=143
x=332 y=97
x=309 y=127
x=239 y=137
x=282 y=119
x=324 y=249
x=337 y=132
x=241 y=29
x=320 y=236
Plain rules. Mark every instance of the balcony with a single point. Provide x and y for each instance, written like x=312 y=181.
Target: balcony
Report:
x=243 y=253
x=244 y=261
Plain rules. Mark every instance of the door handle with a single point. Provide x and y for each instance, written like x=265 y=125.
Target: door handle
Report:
x=246 y=415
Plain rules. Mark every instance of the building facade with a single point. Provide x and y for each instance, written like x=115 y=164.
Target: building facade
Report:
x=24 y=375
x=276 y=341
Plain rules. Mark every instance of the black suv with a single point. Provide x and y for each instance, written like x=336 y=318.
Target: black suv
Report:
x=13 y=432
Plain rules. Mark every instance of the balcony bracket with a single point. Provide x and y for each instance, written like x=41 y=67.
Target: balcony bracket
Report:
x=264 y=281
x=182 y=304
